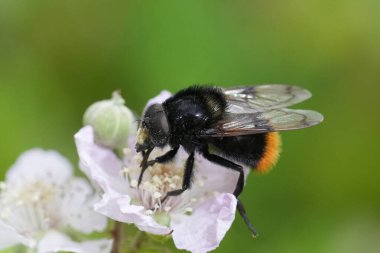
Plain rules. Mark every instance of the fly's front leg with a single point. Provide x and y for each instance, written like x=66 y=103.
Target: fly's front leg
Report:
x=144 y=164
x=161 y=159
x=167 y=157
x=186 y=184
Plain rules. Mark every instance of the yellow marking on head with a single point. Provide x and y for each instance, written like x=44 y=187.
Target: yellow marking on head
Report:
x=271 y=152
x=142 y=135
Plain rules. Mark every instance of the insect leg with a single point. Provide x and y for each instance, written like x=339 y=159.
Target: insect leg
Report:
x=165 y=157
x=186 y=184
x=243 y=214
x=144 y=164
x=161 y=159
x=239 y=186
x=228 y=164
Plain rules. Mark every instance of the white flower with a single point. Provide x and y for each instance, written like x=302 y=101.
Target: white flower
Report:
x=40 y=199
x=198 y=219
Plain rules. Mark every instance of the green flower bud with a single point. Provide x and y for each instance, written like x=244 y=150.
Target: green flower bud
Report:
x=112 y=121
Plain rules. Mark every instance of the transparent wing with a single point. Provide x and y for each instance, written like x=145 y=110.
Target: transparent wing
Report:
x=234 y=124
x=249 y=99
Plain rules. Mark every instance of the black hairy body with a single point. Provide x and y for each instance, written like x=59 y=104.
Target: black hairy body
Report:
x=246 y=149
x=193 y=111
x=190 y=112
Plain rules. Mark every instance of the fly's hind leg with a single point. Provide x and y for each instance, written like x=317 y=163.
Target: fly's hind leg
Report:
x=239 y=185
x=228 y=164
x=244 y=215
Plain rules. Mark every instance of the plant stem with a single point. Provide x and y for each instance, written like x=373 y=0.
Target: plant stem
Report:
x=117 y=235
x=136 y=244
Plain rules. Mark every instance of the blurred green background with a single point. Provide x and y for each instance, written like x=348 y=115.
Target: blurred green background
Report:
x=58 y=57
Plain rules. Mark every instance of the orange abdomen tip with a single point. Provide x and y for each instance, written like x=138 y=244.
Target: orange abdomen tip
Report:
x=271 y=153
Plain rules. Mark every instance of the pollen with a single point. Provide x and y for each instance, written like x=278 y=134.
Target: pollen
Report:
x=137 y=158
x=127 y=151
x=200 y=183
x=134 y=183
x=163 y=178
x=157 y=195
x=188 y=210
x=158 y=180
x=29 y=202
x=35 y=192
x=125 y=172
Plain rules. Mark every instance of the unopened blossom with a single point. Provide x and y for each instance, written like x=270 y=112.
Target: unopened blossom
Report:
x=111 y=120
x=40 y=199
x=198 y=219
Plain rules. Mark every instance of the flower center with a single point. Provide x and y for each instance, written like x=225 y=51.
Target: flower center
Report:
x=158 y=180
x=26 y=207
x=162 y=179
x=33 y=193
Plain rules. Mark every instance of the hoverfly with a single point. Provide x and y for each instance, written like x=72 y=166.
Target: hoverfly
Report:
x=239 y=124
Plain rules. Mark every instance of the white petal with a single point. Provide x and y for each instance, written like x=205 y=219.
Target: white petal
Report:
x=118 y=207
x=38 y=164
x=99 y=163
x=159 y=99
x=79 y=213
x=103 y=167
x=203 y=230
x=217 y=178
x=8 y=236
x=56 y=242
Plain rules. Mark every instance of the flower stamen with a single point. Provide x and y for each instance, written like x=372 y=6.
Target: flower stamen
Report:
x=188 y=210
x=134 y=183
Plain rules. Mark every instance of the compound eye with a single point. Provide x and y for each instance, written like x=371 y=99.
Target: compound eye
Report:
x=164 y=124
x=159 y=127
x=156 y=121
